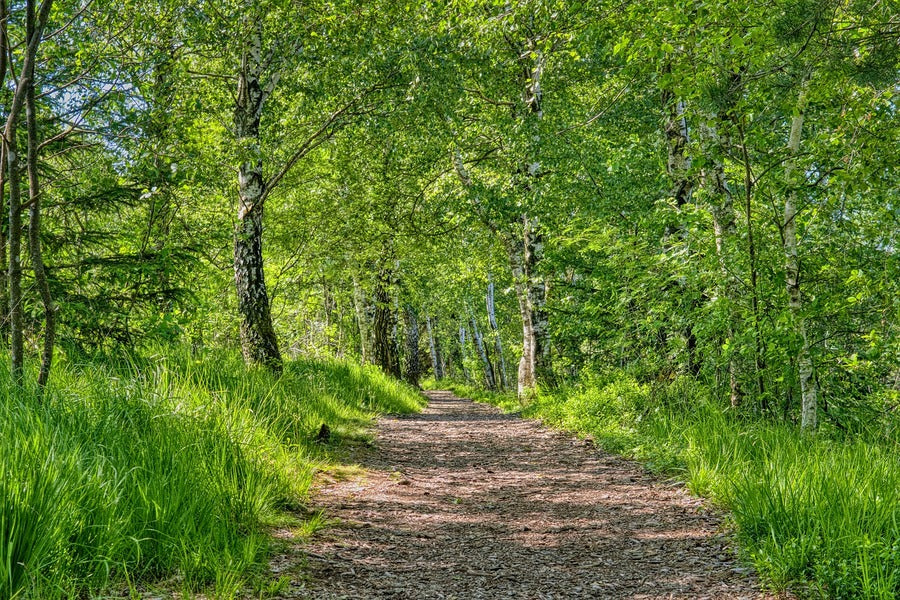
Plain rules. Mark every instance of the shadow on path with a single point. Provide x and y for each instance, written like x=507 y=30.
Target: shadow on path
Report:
x=464 y=502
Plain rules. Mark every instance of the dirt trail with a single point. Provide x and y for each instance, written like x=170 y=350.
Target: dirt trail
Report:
x=464 y=502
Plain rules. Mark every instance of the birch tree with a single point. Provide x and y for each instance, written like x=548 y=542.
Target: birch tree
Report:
x=266 y=62
x=808 y=388
x=495 y=330
x=258 y=341
x=478 y=342
x=434 y=346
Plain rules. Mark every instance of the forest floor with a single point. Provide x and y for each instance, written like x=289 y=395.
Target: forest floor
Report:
x=462 y=501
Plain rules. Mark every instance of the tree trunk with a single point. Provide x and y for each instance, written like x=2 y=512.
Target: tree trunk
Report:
x=16 y=313
x=520 y=236
x=537 y=300
x=462 y=353
x=516 y=254
x=525 y=253
x=678 y=163
x=482 y=354
x=498 y=343
x=724 y=217
x=395 y=328
x=4 y=265
x=411 y=324
x=161 y=207
x=329 y=307
x=34 y=224
x=36 y=20
x=678 y=166
x=385 y=348
x=258 y=341
x=360 y=306
x=808 y=389
x=435 y=348
x=4 y=258
x=754 y=271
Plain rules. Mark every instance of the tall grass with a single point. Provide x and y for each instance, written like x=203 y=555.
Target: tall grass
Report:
x=816 y=514
x=165 y=467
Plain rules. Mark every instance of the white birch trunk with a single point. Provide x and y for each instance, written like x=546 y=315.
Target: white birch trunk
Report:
x=462 y=353
x=482 y=354
x=498 y=342
x=516 y=254
x=258 y=341
x=434 y=346
x=679 y=166
x=678 y=163
x=808 y=389
x=721 y=208
x=520 y=236
x=537 y=302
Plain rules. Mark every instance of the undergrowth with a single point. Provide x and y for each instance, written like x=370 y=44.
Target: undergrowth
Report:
x=819 y=515
x=166 y=469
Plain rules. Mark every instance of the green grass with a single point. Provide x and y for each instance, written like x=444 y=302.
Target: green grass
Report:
x=166 y=468
x=819 y=515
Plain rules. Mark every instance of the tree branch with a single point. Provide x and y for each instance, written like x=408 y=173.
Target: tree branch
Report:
x=318 y=137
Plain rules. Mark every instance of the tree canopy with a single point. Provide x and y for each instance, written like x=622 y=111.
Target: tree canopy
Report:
x=682 y=188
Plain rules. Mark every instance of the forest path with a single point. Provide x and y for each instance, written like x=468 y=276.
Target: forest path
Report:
x=462 y=501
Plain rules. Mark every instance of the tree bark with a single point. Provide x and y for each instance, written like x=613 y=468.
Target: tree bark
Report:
x=38 y=20
x=395 y=328
x=411 y=325
x=258 y=340
x=4 y=265
x=516 y=253
x=16 y=313
x=525 y=252
x=540 y=369
x=362 y=322
x=808 y=388
x=678 y=166
x=34 y=221
x=478 y=341
x=498 y=343
x=385 y=348
x=435 y=348
x=4 y=257
x=462 y=353
x=721 y=208
x=678 y=163
x=520 y=235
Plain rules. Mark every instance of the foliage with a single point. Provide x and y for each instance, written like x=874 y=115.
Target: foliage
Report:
x=140 y=469
x=623 y=170
x=814 y=513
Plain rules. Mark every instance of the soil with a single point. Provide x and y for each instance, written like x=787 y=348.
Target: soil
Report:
x=462 y=501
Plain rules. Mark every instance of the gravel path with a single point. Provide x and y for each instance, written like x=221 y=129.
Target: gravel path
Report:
x=462 y=501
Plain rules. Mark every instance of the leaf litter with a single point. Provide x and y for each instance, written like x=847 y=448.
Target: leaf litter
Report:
x=462 y=501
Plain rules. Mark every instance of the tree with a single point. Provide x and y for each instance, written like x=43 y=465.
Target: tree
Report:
x=23 y=97
x=258 y=340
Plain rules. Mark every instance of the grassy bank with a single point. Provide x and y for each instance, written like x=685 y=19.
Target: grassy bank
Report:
x=166 y=468
x=819 y=515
